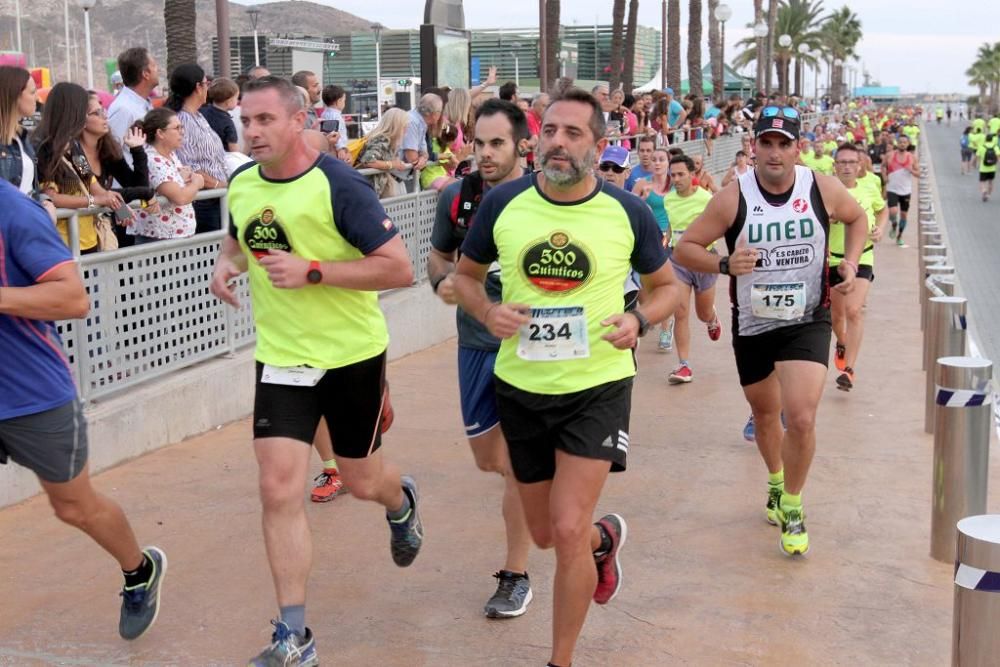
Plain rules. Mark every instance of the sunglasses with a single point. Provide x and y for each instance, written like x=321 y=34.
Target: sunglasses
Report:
x=787 y=112
x=611 y=166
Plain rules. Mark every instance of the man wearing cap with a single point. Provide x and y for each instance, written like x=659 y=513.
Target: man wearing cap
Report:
x=775 y=220
x=614 y=168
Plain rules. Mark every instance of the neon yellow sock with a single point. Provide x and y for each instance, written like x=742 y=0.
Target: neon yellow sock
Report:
x=330 y=465
x=776 y=478
x=791 y=502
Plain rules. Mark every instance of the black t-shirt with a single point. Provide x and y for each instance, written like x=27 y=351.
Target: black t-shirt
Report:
x=222 y=123
x=876 y=152
x=447 y=236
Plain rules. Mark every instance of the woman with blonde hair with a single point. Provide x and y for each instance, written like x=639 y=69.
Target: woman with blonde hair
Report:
x=381 y=151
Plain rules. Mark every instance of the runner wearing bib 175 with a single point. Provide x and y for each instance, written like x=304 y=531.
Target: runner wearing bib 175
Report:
x=685 y=203
x=566 y=241
x=776 y=225
x=848 y=309
x=318 y=246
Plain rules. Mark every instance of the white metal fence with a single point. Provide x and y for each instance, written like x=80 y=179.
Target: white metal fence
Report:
x=152 y=313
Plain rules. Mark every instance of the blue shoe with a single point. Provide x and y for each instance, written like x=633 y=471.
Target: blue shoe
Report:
x=749 y=431
x=287 y=649
x=408 y=532
x=141 y=604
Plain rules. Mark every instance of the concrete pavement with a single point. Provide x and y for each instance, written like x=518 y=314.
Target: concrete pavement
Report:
x=704 y=582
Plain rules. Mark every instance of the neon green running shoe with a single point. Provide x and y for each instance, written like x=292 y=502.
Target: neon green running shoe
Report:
x=773 y=500
x=794 y=538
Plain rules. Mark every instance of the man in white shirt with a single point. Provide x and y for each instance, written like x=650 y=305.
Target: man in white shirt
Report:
x=141 y=74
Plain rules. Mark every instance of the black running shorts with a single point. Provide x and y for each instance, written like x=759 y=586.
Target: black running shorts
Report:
x=756 y=355
x=865 y=272
x=592 y=424
x=52 y=444
x=350 y=398
x=987 y=176
x=902 y=201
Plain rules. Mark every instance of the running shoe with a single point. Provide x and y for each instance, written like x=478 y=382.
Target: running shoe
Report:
x=845 y=382
x=892 y=231
x=794 y=538
x=408 y=532
x=773 y=501
x=512 y=597
x=900 y=243
x=840 y=356
x=326 y=486
x=667 y=337
x=681 y=375
x=609 y=568
x=287 y=649
x=141 y=604
x=715 y=329
x=749 y=430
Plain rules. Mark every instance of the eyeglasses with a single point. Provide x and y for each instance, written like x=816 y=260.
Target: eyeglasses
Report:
x=787 y=112
x=611 y=166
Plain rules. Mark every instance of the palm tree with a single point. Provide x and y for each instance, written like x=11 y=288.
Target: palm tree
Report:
x=182 y=43
x=758 y=13
x=551 y=46
x=694 y=48
x=617 y=25
x=628 y=76
x=715 y=53
x=674 y=45
x=772 y=20
x=840 y=33
x=979 y=78
x=985 y=73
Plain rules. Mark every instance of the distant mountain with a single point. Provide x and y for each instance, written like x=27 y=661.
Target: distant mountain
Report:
x=118 y=24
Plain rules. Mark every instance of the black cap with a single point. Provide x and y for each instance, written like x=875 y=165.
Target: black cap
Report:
x=774 y=119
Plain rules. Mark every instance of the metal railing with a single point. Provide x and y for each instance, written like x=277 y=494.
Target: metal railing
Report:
x=152 y=312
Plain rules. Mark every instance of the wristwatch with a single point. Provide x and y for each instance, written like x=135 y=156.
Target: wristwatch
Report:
x=724 y=265
x=315 y=275
x=643 y=322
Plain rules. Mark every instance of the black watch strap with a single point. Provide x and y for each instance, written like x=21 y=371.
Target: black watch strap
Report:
x=437 y=281
x=643 y=322
x=724 y=265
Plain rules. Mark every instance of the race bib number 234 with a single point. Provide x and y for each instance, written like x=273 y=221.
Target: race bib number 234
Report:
x=554 y=334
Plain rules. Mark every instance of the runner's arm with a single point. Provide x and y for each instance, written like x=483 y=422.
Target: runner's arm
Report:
x=58 y=294
x=386 y=267
x=501 y=319
x=690 y=251
x=230 y=263
x=881 y=220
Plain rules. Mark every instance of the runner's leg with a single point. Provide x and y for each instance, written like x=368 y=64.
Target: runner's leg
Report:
x=490 y=452
x=682 y=331
x=284 y=465
x=764 y=398
x=854 y=306
x=704 y=305
x=373 y=478
x=78 y=504
x=575 y=490
x=838 y=311
x=801 y=389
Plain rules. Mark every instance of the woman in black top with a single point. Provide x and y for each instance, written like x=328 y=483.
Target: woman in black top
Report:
x=17 y=155
x=108 y=165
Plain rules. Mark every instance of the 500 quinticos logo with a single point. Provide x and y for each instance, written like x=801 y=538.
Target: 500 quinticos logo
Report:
x=556 y=264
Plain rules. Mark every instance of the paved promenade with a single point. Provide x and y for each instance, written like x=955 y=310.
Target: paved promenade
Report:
x=704 y=582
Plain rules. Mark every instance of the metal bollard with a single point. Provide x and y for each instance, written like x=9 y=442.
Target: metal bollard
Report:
x=976 y=616
x=935 y=270
x=930 y=256
x=945 y=336
x=962 y=399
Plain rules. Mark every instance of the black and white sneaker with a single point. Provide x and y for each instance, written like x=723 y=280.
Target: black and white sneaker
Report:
x=512 y=597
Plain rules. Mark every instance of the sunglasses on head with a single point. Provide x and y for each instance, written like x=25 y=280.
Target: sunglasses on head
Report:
x=787 y=112
x=611 y=166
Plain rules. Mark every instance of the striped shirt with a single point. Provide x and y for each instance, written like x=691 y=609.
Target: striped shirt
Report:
x=202 y=149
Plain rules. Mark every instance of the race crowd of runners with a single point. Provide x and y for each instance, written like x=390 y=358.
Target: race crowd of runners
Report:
x=558 y=269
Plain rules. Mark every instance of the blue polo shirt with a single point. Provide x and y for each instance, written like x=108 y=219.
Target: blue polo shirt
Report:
x=35 y=374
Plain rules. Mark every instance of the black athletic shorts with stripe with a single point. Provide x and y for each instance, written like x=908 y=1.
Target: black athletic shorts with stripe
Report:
x=52 y=444
x=351 y=399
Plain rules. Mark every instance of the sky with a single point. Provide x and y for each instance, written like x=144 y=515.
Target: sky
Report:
x=919 y=45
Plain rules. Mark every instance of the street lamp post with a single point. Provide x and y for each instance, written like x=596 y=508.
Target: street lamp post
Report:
x=663 y=46
x=377 y=31
x=517 y=66
x=801 y=83
x=784 y=41
x=254 y=15
x=760 y=32
x=17 y=16
x=722 y=14
x=87 y=5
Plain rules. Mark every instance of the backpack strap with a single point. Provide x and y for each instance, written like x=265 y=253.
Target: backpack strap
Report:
x=464 y=208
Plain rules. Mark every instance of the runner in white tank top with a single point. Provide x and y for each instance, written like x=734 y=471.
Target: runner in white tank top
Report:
x=775 y=222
